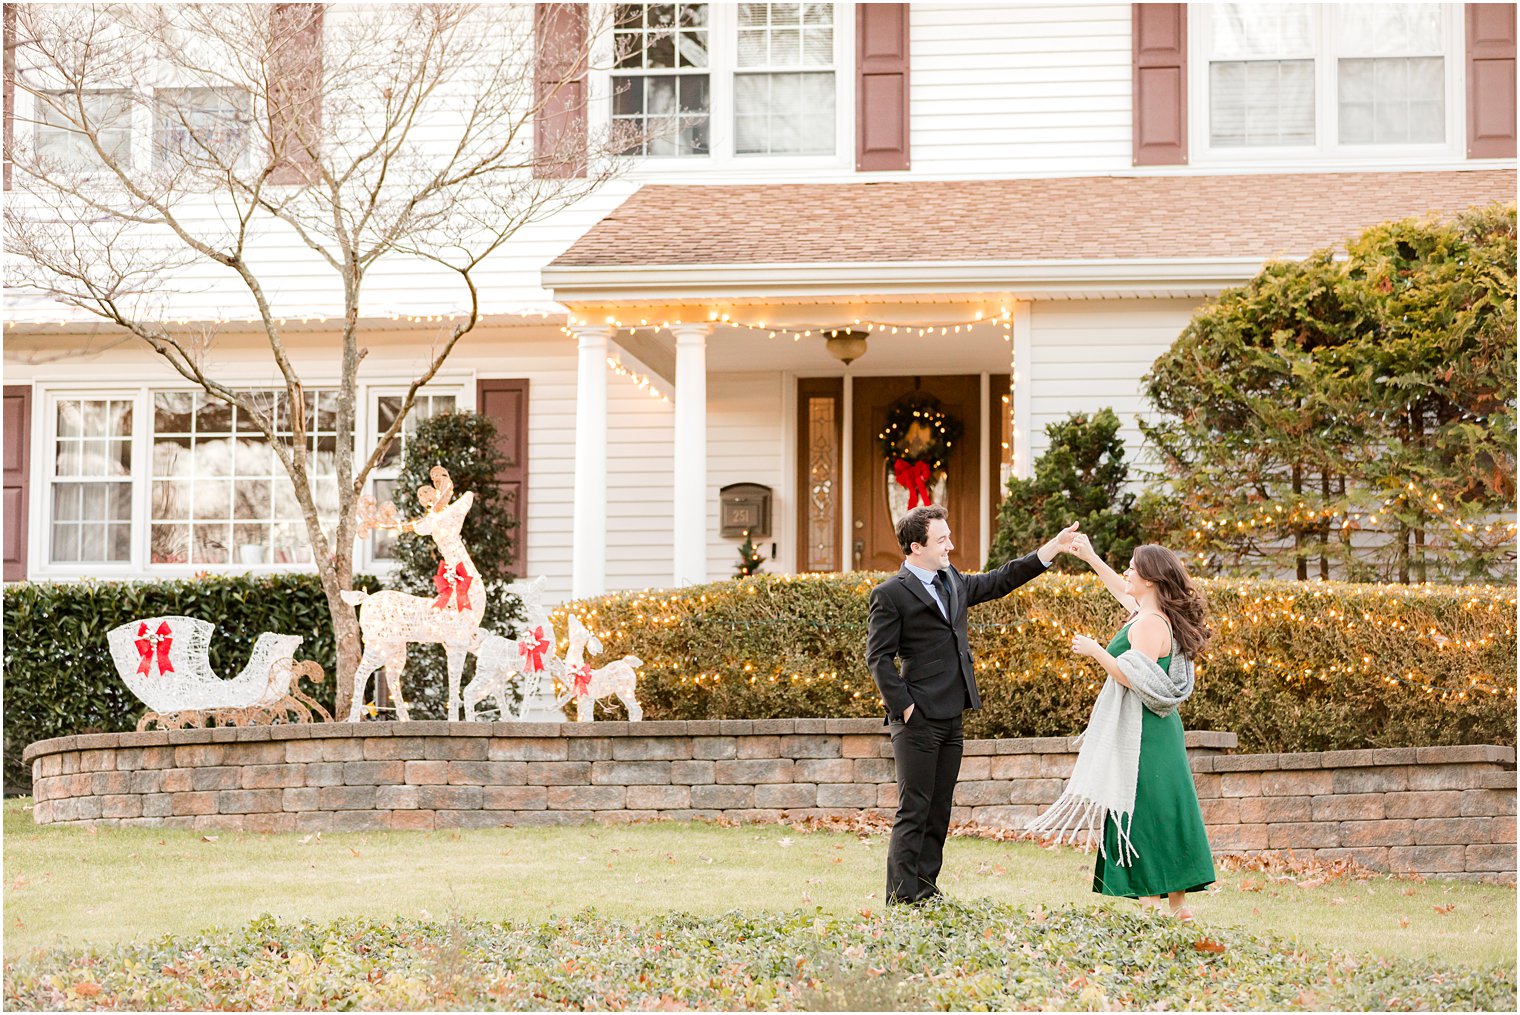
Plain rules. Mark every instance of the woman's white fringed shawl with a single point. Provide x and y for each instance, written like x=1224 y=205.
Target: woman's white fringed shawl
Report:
x=1108 y=759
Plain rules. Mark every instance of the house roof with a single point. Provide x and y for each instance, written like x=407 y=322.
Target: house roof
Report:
x=1101 y=218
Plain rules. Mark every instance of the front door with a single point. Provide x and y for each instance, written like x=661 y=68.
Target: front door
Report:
x=874 y=542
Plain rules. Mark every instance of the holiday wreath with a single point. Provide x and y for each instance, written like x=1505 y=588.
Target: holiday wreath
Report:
x=916 y=441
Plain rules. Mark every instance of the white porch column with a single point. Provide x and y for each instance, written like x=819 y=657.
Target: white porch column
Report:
x=1023 y=414
x=690 y=531
x=588 y=547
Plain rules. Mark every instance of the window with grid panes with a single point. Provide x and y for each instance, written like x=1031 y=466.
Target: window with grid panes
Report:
x=220 y=494
x=661 y=89
x=1347 y=76
x=200 y=124
x=784 y=80
x=91 y=484
x=57 y=141
x=383 y=481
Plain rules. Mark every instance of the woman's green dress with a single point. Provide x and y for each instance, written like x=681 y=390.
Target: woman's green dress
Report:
x=1167 y=826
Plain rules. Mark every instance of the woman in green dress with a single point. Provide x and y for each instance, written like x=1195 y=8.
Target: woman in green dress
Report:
x=1170 y=849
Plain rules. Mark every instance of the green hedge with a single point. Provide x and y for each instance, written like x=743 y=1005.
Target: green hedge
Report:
x=1293 y=666
x=59 y=678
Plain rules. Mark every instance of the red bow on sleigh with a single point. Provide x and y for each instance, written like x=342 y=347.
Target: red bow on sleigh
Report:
x=454 y=583
x=582 y=679
x=915 y=478
x=533 y=648
x=145 y=648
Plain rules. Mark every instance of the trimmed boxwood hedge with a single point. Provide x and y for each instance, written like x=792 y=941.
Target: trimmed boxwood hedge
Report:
x=59 y=678
x=1293 y=666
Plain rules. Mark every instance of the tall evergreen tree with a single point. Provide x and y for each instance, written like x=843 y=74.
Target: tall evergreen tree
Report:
x=1351 y=417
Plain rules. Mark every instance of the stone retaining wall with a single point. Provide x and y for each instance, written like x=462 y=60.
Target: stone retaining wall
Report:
x=1436 y=810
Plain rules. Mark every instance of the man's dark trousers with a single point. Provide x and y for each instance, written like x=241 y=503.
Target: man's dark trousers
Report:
x=919 y=655
x=928 y=756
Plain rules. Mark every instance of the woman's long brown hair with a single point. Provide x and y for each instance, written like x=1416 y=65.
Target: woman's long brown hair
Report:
x=1179 y=599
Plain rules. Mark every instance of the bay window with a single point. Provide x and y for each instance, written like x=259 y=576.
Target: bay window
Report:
x=170 y=479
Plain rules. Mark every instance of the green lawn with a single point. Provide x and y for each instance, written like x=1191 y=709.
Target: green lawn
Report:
x=75 y=887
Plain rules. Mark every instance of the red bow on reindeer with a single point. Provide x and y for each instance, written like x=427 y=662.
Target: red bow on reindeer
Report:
x=533 y=648
x=455 y=583
x=146 y=644
x=582 y=679
x=914 y=477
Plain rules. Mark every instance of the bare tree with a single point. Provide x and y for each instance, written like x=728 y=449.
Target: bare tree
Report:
x=370 y=134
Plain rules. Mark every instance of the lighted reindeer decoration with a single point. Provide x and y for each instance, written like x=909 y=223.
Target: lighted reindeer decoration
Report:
x=390 y=619
x=586 y=685
x=502 y=664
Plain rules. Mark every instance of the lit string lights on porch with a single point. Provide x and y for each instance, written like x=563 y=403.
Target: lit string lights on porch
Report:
x=1001 y=318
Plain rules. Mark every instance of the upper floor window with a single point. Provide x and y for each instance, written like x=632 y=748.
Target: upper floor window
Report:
x=661 y=87
x=728 y=80
x=58 y=140
x=198 y=125
x=784 y=83
x=1341 y=79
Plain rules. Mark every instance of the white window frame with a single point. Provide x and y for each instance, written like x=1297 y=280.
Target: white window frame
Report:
x=464 y=399
x=1327 y=148
x=46 y=395
x=723 y=64
x=94 y=167
x=40 y=536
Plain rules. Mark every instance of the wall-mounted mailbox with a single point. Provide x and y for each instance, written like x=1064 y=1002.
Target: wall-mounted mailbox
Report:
x=744 y=507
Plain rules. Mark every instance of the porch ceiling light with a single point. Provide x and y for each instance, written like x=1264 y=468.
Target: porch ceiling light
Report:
x=847 y=346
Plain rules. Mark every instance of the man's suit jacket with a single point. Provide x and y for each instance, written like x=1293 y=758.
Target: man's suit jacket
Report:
x=936 y=671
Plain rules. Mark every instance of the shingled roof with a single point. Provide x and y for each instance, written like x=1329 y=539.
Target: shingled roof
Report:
x=1074 y=218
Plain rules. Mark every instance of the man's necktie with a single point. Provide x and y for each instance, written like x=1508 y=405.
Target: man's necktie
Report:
x=942 y=586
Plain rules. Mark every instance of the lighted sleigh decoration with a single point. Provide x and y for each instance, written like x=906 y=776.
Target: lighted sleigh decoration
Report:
x=166 y=663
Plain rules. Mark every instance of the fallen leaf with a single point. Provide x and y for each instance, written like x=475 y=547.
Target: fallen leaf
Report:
x=1407 y=890
x=1208 y=945
x=354 y=851
x=837 y=859
x=1403 y=921
x=1445 y=910
x=208 y=838
x=86 y=988
x=785 y=842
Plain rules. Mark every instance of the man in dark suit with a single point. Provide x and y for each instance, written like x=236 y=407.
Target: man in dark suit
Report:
x=918 y=654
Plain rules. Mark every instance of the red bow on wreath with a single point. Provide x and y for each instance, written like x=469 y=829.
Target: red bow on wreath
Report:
x=533 y=648
x=454 y=583
x=914 y=477
x=582 y=680
x=145 y=648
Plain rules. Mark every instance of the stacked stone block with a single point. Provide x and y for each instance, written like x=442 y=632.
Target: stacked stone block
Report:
x=1437 y=810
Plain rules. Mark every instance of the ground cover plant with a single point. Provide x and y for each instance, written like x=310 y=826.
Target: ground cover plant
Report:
x=500 y=918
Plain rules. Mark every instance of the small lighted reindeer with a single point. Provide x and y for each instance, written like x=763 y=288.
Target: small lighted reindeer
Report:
x=587 y=685
x=503 y=663
x=390 y=619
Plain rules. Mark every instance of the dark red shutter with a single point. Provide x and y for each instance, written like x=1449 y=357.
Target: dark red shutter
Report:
x=559 y=85
x=1160 y=83
x=506 y=403
x=10 y=87
x=1490 y=81
x=881 y=87
x=295 y=89
x=17 y=437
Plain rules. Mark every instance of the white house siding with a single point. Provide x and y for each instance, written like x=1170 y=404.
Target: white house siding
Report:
x=746 y=443
x=1000 y=89
x=1088 y=354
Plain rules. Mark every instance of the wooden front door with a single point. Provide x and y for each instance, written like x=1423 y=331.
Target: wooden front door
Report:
x=874 y=542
